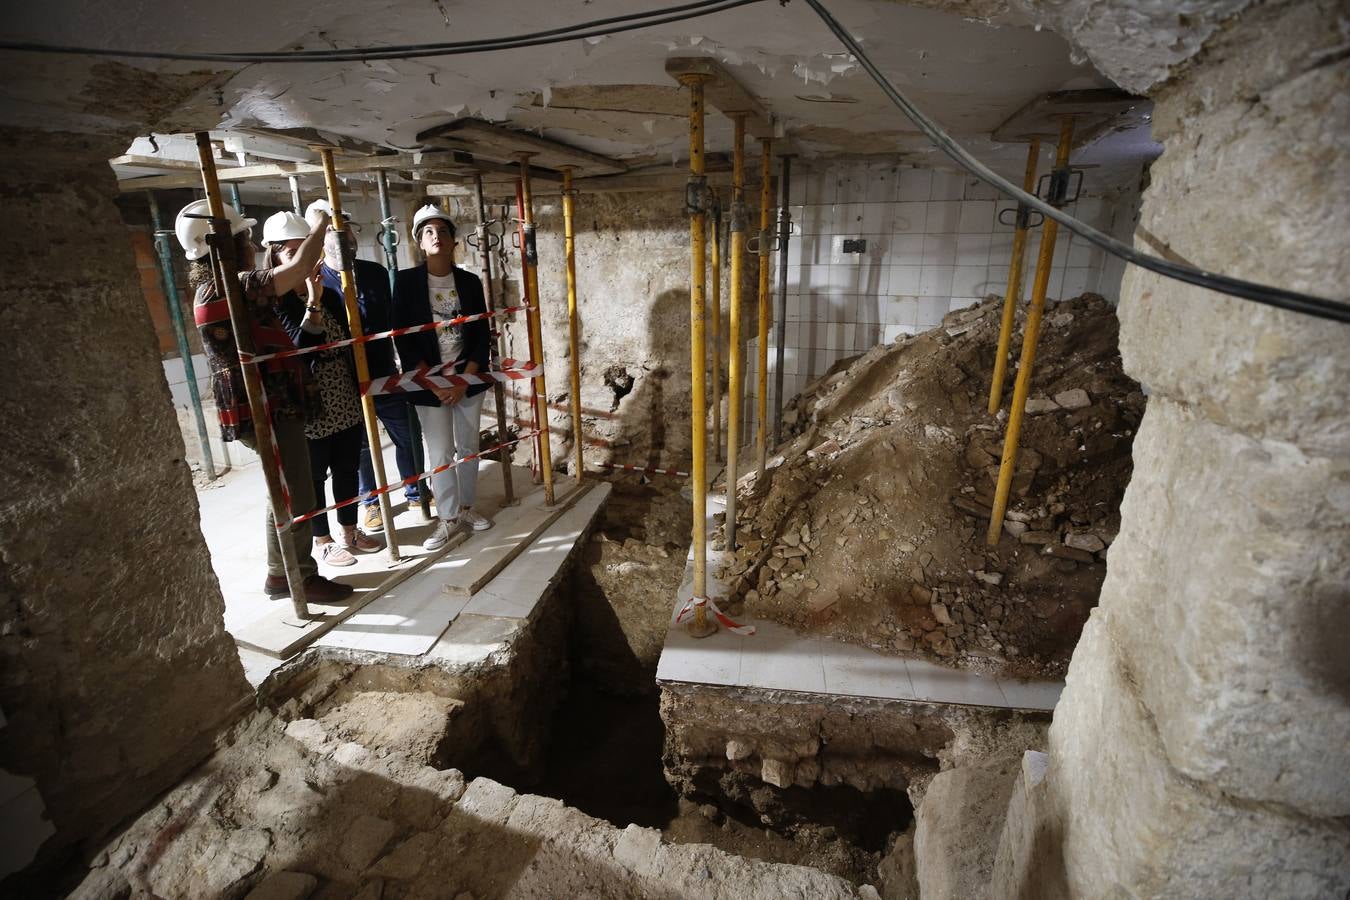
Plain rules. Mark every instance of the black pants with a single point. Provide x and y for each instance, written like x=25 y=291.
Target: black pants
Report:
x=340 y=452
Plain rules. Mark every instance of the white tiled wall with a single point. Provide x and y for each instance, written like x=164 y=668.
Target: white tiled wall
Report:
x=934 y=244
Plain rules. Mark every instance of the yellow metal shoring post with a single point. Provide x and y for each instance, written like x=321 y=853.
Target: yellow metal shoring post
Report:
x=490 y=295
x=1013 y=294
x=573 y=341
x=715 y=319
x=737 y=250
x=1044 y=260
x=240 y=322
x=765 y=246
x=359 y=350
x=700 y=625
x=529 y=249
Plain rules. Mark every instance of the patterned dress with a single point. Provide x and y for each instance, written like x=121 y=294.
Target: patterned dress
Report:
x=291 y=391
x=337 y=386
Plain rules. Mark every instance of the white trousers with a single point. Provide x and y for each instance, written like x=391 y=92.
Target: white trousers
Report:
x=451 y=433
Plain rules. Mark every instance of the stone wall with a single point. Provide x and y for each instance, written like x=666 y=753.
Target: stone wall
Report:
x=632 y=265
x=115 y=670
x=1200 y=748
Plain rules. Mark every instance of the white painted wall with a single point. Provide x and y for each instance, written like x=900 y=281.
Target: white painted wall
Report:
x=934 y=244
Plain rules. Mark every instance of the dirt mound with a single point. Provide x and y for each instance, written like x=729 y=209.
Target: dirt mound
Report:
x=870 y=525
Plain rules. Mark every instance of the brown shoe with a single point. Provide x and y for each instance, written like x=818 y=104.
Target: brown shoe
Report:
x=320 y=590
x=317 y=588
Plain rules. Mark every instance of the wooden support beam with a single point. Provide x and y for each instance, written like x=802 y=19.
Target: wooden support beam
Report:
x=724 y=93
x=440 y=161
x=484 y=139
x=155 y=162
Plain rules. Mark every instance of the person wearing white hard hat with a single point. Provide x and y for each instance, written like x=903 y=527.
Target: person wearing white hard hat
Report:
x=333 y=432
x=289 y=387
x=436 y=291
x=374 y=303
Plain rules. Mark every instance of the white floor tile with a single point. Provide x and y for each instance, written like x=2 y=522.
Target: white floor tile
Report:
x=1031 y=694
x=858 y=672
x=779 y=659
x=940 y=684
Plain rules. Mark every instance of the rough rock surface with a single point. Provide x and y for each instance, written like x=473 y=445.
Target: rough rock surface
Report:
x=290 y=799
x=1200 y=747
x=116 y=674
x=871 y=527
x=958 y=826
x=634 y=342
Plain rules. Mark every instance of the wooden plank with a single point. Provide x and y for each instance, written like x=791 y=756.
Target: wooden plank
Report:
x=438 y=160
x=724 y=93
x=154 y=162
x=661 y=182
x=485 y=562
x=281 y=635
x=1095 y=111
x=485 y=139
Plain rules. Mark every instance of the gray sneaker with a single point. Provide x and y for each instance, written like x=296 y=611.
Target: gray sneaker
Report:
x=440 y=535
x=471 y=519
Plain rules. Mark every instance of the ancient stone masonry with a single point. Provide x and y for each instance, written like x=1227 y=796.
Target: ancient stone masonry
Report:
x=632 y=258
x=115 y=670
x=871 y=525
x=1201 y=745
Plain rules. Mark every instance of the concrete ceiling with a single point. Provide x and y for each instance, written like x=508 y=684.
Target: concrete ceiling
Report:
x=970 y=64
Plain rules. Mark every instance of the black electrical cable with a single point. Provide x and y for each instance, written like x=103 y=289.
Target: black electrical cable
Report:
x=581 y=31
x=1247 y=290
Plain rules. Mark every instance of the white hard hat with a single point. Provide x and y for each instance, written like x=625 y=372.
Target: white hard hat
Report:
x=284 y=226
x=427 y=213
x=322 y=205
x=193 y=225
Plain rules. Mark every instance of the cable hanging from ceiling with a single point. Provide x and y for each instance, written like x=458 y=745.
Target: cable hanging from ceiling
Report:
x=596 y=28
x=1279 y=298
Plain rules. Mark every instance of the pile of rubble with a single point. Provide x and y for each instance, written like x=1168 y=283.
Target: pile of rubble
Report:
x=870 y=524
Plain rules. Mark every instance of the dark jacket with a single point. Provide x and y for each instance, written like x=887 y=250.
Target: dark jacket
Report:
x=375 y=303
x=412 y=306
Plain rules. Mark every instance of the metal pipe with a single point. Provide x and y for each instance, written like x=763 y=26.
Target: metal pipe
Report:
x=359 y=350
x=387 y=238
x=1014 y=291
x=739 y=215
x=498 y=389
x=780 y=326
x=162 y=239
x=715 y=319
x=536 y=473
x=236 y=200
x=390 y=244
x=1030 y=336
x=529 y=249
x=765 y=242
x=240 y=322
x=573 y=343
x=297 y=204
x=700 y=625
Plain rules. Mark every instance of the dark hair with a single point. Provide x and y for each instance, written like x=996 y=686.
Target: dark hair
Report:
x=448 y=224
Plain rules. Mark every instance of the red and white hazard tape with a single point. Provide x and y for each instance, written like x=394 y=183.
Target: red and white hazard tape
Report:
x=648 y=470
x=429 y=377
x=412 y=479
x=251 y=359
x=728 y=623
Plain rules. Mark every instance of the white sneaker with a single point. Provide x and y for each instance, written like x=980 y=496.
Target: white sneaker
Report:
x=440 y=535
x=471 y=519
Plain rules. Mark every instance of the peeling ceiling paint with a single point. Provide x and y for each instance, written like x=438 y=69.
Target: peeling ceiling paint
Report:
x=970 y=64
